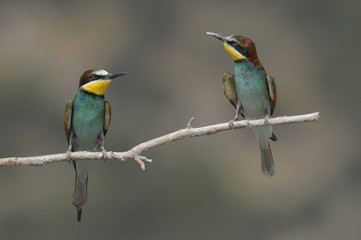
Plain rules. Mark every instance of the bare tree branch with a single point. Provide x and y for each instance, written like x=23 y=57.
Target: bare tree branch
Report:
x=135 y=152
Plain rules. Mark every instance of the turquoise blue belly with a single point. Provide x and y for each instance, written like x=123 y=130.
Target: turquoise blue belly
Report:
x=88 y=121
x=252 y=90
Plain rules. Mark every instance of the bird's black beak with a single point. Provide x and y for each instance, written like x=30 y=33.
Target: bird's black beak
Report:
x=115 y=75
x=218 y=36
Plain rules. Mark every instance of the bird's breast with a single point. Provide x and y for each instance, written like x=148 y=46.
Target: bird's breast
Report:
x=252 y=90
x=88 y=122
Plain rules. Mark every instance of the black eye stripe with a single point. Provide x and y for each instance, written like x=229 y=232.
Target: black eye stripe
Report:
x=94 y=77
x=89 y=78
x=238 y=47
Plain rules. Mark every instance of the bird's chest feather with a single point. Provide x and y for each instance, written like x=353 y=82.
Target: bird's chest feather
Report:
x=88 y=121
x=251 y=90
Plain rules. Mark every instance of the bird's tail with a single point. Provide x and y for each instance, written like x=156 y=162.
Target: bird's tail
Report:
x=263 y=134
x=80 y=195
x=268 y=165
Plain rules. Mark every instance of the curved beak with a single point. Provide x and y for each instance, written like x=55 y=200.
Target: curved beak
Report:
x=218 y=36
x=115 y=75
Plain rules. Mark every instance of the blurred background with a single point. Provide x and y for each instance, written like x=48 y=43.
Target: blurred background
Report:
x=200 y=188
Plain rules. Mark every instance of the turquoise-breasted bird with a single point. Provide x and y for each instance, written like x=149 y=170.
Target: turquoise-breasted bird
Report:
x=86 y=121
x=251 y=91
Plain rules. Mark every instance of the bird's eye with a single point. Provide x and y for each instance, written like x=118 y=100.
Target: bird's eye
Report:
x=234 y=44
x=94 y=76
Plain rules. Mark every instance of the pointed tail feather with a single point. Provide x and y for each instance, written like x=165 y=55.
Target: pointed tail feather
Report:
x=273 y=137
x=80 y=195
x=78 y=214
x=268 y=165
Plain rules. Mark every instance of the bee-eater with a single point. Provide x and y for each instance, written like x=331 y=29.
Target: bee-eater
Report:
x=86 y=121
x=251 y=91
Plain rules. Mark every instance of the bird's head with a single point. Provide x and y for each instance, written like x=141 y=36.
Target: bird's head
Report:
x=96 y=81
x=239 y=47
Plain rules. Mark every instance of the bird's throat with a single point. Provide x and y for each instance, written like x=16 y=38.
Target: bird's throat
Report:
x=236 y=56
x=97 y=87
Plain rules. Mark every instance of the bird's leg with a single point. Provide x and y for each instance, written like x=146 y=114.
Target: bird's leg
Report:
x=104 y=152
x=70 y=147
x=236 y=117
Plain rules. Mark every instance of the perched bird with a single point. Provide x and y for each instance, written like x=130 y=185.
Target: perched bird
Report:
x=251 y=91
x=86 y=121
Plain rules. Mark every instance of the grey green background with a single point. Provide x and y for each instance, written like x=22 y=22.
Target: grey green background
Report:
x=200 y=188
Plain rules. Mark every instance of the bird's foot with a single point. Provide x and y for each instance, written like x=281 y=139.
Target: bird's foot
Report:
x=68 y=153
x=266 y=120
x=231 y=124
x=104 y=154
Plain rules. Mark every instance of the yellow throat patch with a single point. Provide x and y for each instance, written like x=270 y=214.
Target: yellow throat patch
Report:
x=236 y=56
x=97 y=87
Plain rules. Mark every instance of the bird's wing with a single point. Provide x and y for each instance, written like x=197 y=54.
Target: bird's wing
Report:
x=229 y=89
x=107 y=116
x=271 y=85
x=67 y=118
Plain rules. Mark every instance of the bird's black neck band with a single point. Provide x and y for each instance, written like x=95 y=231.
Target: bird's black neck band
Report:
x=238 y=61
x=92 y=94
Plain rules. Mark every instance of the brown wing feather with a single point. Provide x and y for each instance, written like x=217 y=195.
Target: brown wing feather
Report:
x=229 y=89
x=107 y=116
x=67 y=118
x=271 y=84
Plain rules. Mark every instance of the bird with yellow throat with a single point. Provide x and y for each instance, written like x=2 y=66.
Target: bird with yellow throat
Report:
x=251 y=91
x=86 y=121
